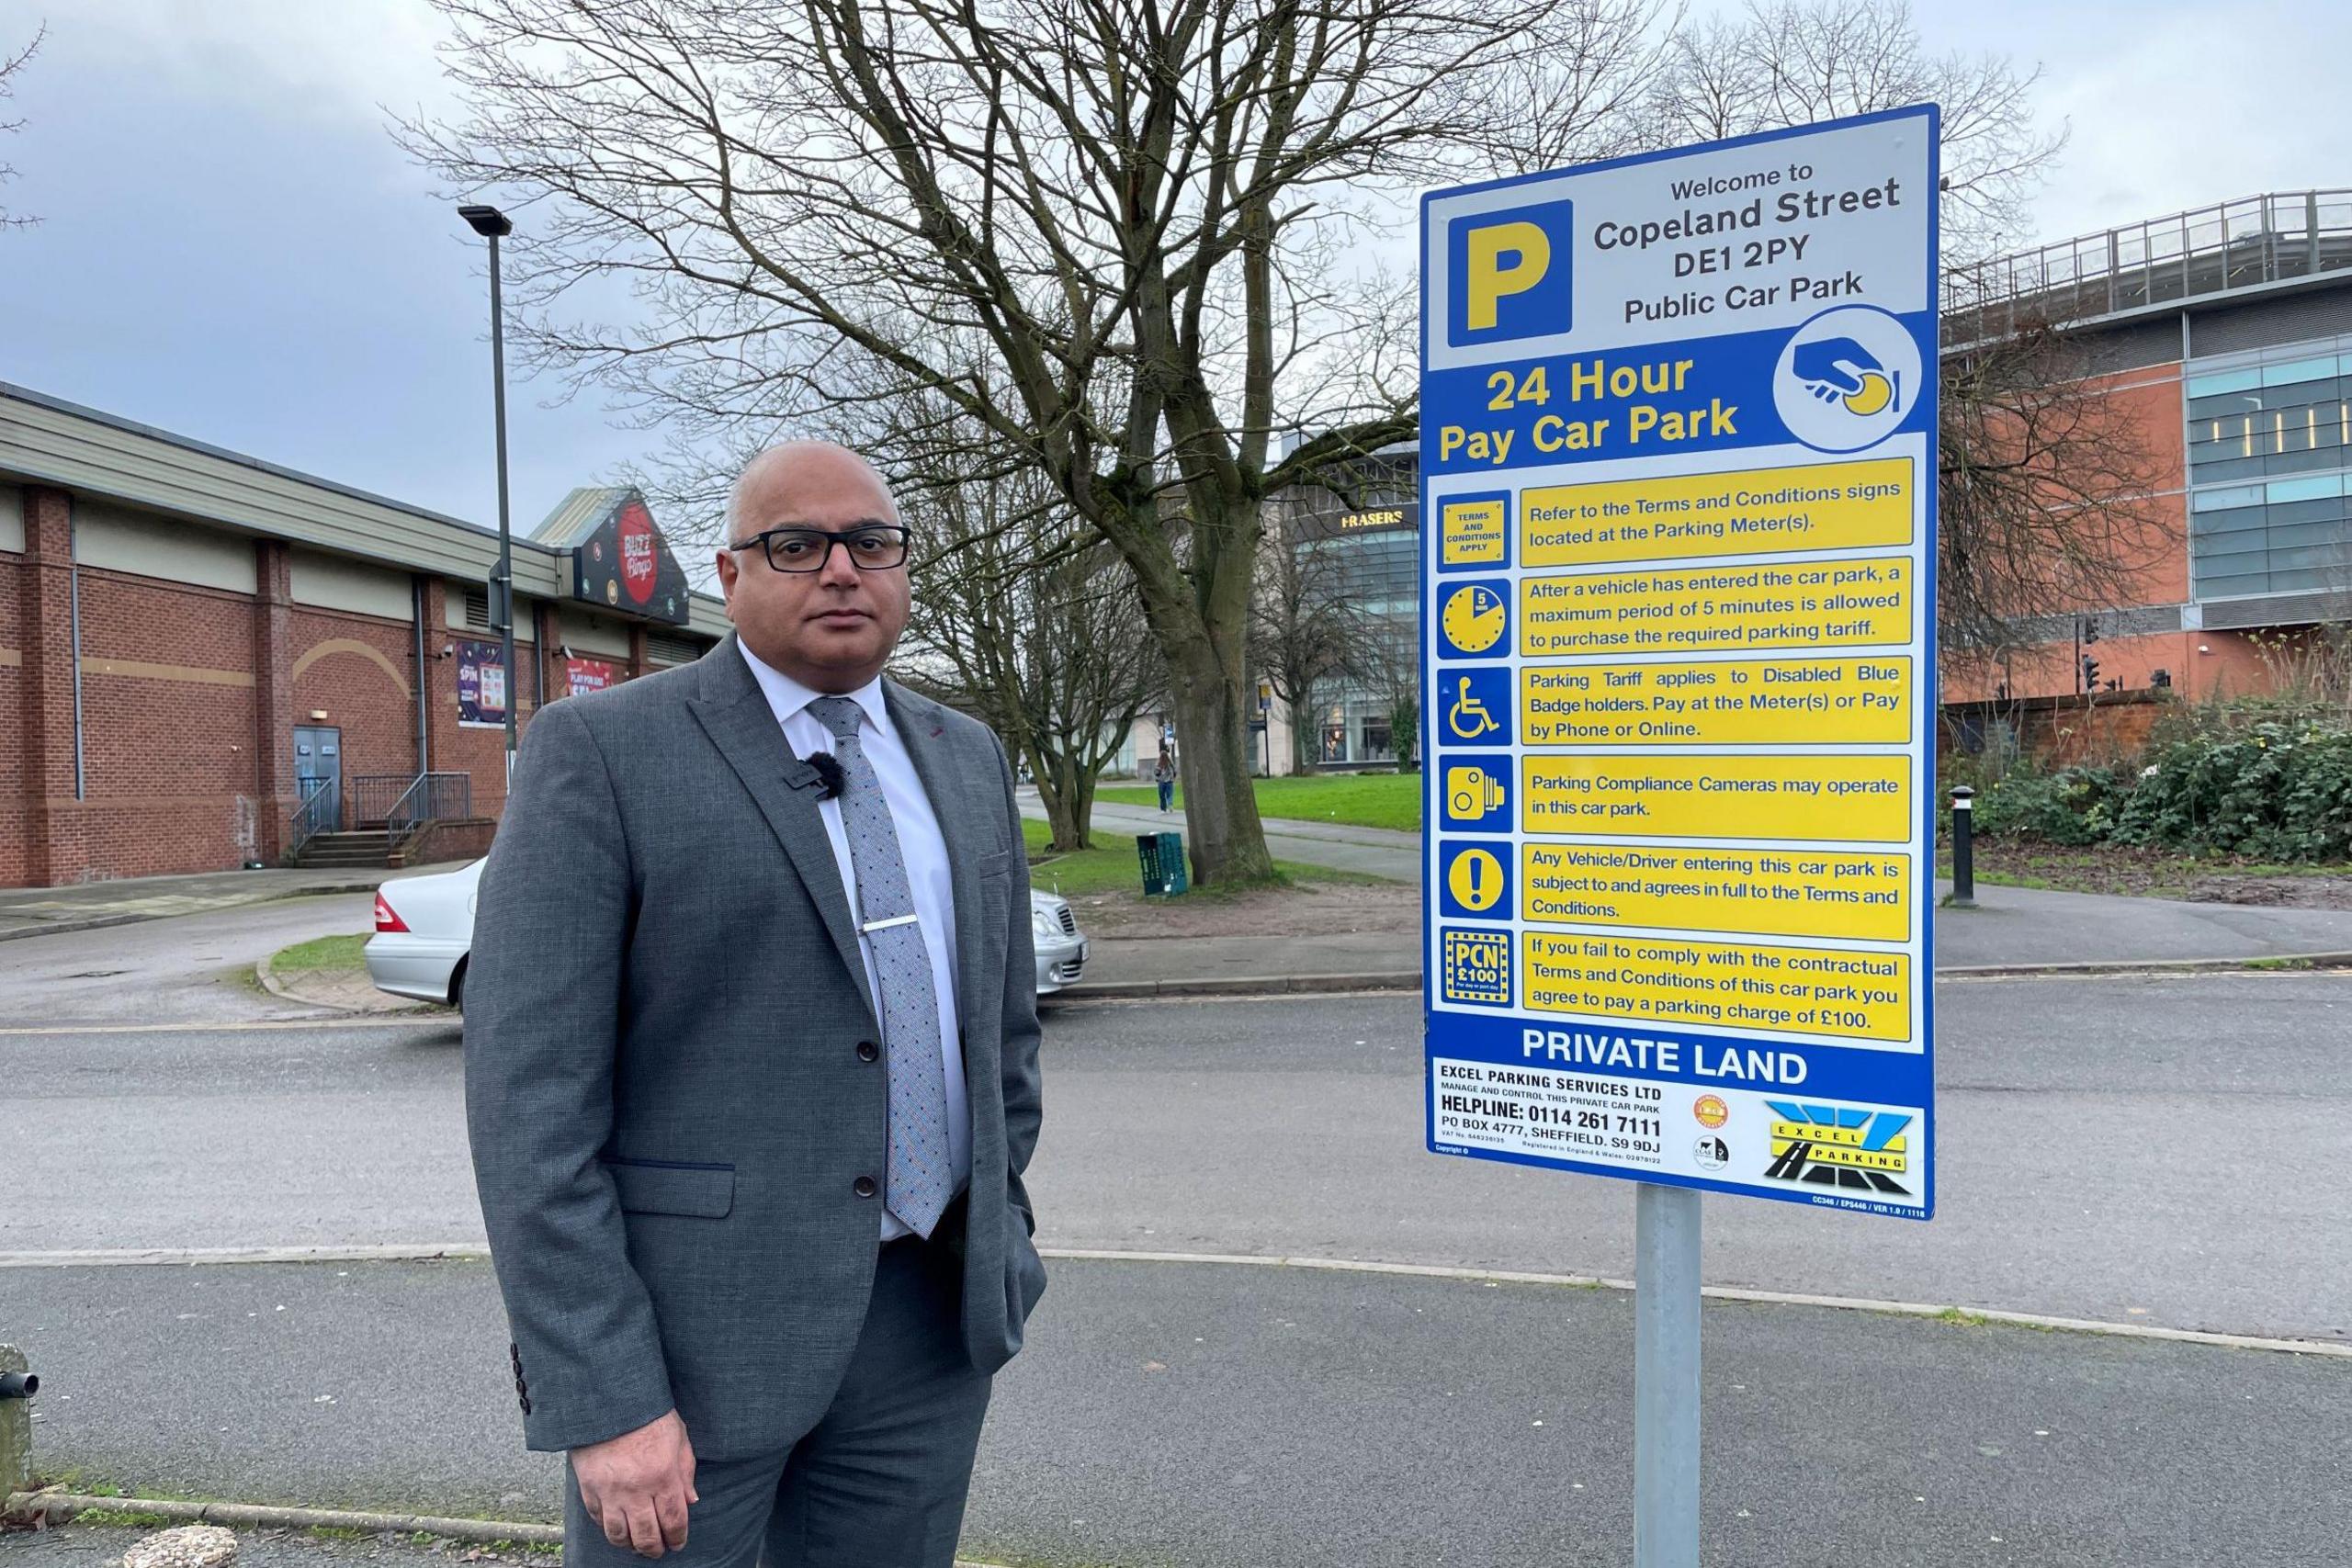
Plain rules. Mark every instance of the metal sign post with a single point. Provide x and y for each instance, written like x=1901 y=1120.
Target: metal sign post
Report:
x=1665 y=1376
x=1678 y=476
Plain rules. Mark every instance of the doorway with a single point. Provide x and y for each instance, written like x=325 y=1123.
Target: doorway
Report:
x=318 y=765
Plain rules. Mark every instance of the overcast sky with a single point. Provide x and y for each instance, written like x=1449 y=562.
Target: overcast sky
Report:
x=230 y=247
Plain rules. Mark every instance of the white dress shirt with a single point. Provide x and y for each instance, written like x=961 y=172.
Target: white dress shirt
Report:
x=923 y=849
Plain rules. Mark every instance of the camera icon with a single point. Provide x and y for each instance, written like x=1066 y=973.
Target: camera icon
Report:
x=1475 y=797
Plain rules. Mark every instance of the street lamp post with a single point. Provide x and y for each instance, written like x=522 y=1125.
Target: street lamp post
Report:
x=492 y=225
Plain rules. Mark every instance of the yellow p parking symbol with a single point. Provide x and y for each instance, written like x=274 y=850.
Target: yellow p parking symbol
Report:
x=1530 y=250
x=1510 y=272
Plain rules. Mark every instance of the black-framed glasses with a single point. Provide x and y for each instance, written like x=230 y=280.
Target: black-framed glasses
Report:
x=871 y=546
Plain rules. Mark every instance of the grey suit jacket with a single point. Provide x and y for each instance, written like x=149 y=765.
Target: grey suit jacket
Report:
x=669 y=1108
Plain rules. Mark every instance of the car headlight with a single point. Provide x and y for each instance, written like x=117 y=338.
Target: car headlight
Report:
x=1046 y=927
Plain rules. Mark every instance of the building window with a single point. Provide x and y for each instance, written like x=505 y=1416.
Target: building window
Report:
x=668 y=648
x=1355 y=730
x=2270 y=475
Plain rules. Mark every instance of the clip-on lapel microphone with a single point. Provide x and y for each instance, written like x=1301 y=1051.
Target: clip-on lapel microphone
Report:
x=829 y=778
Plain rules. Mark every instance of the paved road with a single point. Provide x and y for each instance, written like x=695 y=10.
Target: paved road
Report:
x=1294 y=1126
x=1212 y=1417
x=195 y=966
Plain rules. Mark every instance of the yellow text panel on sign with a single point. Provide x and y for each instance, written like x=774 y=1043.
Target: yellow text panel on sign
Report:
x=1749 y=892
x=1787 y=701
x=1818 y=506
x=1789 y=603
x=1855 y=798
x=1804 y=990
x=1474 y=532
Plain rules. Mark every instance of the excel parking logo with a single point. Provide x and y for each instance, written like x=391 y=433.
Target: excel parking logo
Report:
x=1510 y=274
x=1821 y=1145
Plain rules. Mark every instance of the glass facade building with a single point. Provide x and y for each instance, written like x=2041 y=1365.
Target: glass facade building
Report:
x=2270 y=449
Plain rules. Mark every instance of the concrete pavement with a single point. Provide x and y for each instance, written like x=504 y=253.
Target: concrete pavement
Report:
x=2012 y=928
x=93 y=906
x=176 y=968
x=1200 y=1416
x=102 y=1546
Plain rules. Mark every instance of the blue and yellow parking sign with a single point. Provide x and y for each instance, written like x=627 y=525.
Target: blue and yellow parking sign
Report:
x=1678 y=481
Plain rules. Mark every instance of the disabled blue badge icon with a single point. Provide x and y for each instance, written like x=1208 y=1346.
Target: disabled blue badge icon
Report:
x=1474 y=706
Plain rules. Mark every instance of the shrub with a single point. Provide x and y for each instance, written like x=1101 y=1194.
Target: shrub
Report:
x=2277 y=788
x=2072 y=805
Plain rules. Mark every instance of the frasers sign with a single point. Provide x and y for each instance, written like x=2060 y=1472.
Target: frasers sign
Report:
x=1329 y=516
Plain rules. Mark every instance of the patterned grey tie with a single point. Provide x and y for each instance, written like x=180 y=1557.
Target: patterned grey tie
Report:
x=920 y=1179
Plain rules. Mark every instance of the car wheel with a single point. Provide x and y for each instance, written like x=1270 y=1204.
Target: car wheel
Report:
x=457 y=986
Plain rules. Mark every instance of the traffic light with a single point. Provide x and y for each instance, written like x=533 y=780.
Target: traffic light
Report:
x=2091 y=630
x=2090 y=674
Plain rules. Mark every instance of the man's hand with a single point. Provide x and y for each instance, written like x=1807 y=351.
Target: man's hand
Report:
x=637 y=1486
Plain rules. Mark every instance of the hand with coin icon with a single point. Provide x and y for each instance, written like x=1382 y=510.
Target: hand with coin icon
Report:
x=1839 y=368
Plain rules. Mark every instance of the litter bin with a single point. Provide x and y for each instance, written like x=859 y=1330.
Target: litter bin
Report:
x=1163 y=863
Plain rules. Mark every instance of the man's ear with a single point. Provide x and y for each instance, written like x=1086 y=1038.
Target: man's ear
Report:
x=728 y=568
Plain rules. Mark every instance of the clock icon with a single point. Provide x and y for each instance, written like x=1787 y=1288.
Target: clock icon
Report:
x=1474 y=617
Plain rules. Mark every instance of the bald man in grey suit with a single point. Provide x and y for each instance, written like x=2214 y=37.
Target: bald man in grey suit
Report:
x=751 y=1069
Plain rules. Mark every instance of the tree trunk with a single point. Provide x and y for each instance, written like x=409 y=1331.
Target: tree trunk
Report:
x=1212 y=759
x=1068 y=801
x=1305 y=744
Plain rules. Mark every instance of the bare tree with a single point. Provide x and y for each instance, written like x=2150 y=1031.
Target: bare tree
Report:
x=2043 y=508
x=2046 y=503
x=1785 y=62
x=1144 y=215
x=1386 y=662
x=1303 y=624
x=10 y=65
x=1024 y=619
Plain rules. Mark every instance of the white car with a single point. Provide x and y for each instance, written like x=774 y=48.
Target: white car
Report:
x=1061 y=946
x=425 y=930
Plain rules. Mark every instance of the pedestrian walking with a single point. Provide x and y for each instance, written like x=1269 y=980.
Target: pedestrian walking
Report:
x=1163 y=773
x=751 y=1069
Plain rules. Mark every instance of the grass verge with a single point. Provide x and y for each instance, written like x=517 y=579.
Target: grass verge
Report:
x=320 y=952
x=1365 y=800
x=1111 y=866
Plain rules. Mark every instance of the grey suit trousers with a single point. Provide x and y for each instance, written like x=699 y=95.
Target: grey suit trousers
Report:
x=878 y=1482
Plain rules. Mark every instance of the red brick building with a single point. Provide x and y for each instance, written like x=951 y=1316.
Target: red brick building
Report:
x=208 y=661
x=2224 y=336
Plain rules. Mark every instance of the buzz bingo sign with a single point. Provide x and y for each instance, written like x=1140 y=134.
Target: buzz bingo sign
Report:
x=1679 y=485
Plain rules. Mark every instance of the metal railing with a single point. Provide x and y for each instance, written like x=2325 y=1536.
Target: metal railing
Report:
x=2209 y=249
x=430 y=797
x=373 y=796
x=321 y=812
